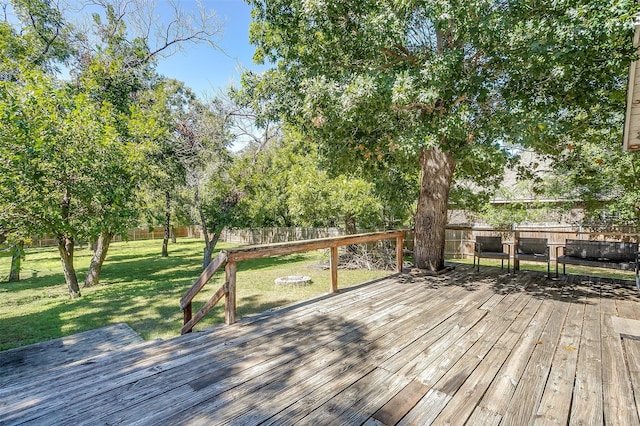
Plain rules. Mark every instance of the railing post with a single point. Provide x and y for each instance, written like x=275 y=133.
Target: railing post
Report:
x=399 y=247
x=230 y=294
x=187 y=312
x=333 y=263
x=516 y=238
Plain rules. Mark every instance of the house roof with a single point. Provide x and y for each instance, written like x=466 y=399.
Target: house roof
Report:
x=631 y=140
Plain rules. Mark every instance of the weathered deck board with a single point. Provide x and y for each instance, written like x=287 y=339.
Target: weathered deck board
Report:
x=466 y=397
x=344 y=329
x=632 y=347
x=348 y=344
x=587 y=389
x=227 y=366
x=620 y=407
x=18 y=364
x=499 y=394
x=559 y=387
x=467 y=347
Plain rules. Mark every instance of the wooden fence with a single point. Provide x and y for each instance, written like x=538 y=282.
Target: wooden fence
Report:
x=460 y=239
x=277 y=235
x=135 y=234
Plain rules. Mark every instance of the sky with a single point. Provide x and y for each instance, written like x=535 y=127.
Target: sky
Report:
x=206 y=70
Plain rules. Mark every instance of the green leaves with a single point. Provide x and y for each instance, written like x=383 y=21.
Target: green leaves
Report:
x=360 y=77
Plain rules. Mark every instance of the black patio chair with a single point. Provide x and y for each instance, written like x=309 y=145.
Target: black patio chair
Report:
x=491 y=248
x=532 y=250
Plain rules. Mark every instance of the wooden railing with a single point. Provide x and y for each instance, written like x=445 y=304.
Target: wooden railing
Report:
x=231 y=257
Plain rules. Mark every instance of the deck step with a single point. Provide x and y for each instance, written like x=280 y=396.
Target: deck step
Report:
x=44 y=356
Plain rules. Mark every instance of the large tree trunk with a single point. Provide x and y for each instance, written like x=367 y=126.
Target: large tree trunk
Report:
x=99 y=255
x=65 y=247
x=431 y=215
x=208 y=246
x=16 y=262
x=350 y=229
x=167 y=224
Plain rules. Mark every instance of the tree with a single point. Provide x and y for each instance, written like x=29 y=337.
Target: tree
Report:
x=155 y=120
x=70 y=164
x=37 y=42
x=445 y=85
x=191 y=148
x=116 y=70
x=605 y=179
x=49 y=140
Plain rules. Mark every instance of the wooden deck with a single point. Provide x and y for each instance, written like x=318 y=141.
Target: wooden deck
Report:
x=466 y=347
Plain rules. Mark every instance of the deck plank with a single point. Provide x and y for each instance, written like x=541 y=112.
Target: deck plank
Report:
x=476 y=379
x=441 y=318
x=355 y=404
x=376 y=331
x=556 y=398
x=632 y=347
x=617 y=392
x=138 y=369
x=258 y=356
x=586 y=407
x=465 y=347
x=498 y=395
x=525 y=399
x=349 y=338
x=34 y=360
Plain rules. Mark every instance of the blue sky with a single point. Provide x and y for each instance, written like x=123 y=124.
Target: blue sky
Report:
x=206 y=70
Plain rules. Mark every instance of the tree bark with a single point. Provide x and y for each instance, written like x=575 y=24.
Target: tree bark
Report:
x=208 y=246
x=99 y=255
x=16 y=262
x=167 y=224
x=350 y=229
x=65 y=247
x=431 y=215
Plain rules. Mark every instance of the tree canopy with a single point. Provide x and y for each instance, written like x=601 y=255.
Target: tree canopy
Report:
x=72 y=158
x=440 y=86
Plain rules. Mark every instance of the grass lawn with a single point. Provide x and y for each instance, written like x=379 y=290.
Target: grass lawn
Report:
x=139 y=287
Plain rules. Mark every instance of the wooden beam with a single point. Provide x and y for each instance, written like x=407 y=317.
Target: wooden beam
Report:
x=230 y=301
x=399 y=247
x=187 y=315
x=333 y=263
x=279 y=249
x=203 y=311
x=203 y=278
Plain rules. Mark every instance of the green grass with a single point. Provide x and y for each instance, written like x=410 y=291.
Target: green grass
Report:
x=139 y=287
x=571 y=269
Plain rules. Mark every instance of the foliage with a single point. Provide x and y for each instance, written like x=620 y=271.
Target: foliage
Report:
x=605 y=179
x=74 y=150
x=388 y=82
x=57 y=146
x=284 y=185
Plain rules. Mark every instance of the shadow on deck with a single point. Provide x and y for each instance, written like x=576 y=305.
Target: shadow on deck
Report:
x=477 y=347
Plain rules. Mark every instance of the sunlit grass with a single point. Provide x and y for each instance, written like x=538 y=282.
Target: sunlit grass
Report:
x=143 y=289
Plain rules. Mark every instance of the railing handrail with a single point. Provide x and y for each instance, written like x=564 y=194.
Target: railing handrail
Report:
x=230 y=257
x=204 y=277
x=290 y=247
